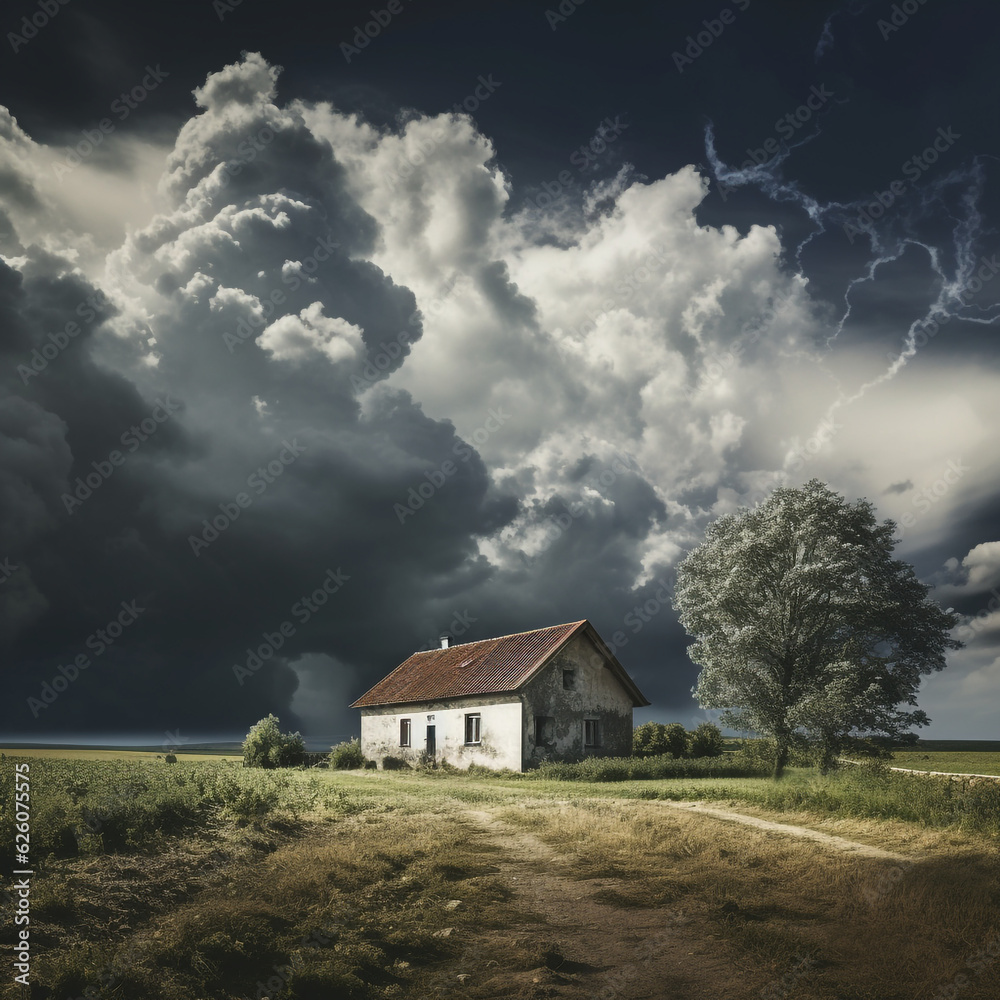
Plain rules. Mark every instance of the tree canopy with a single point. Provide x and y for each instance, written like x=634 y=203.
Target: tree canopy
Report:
x=804 y=623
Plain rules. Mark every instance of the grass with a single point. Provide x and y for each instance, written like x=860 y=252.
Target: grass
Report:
x=869 y=929
x=957 y=762
x=202 y=878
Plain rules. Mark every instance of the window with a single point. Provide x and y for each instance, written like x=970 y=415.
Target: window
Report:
x=543 y=730
x=404 y=732
x=591 y=733
x=569 y=680
x=473 y=728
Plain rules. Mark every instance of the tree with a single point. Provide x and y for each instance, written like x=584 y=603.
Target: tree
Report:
x=676 y=738
x=706 y=741
x=805 y=624
x=654 y=738
x=648 y=740
x=267 y=746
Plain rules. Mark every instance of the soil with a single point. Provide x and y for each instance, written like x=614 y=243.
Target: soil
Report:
x=595 y=949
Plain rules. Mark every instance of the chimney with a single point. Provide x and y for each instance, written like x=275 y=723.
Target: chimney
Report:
x=445 y=641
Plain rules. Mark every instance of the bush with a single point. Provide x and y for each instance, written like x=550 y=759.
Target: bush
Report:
x=648 y=740
x=676 y=738
x=170 y=758
x=706 y=741
x=347 y=756
x=267 y=746
x=653 y=739
x=394 y=764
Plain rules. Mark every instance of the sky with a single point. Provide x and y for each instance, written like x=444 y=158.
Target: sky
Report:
x=324 y=332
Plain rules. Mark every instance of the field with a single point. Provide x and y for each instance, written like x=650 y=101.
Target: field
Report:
x=203 y=879
x=957 y=762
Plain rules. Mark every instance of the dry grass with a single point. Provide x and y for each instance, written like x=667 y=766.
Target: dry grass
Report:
x=869 y=928
x=350 y=894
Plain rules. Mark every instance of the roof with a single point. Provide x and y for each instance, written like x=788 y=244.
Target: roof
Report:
x=489 y=666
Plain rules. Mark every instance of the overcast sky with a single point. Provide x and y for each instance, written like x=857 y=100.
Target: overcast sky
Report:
x=323 y=333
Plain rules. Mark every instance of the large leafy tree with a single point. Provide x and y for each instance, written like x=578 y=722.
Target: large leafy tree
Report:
x=805 y=624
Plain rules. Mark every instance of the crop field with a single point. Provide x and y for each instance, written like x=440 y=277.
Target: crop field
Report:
x=203 y=879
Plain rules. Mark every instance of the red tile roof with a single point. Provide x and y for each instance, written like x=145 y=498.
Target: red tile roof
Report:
x=489 y=666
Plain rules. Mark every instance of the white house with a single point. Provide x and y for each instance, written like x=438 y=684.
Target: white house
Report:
x=513 y=701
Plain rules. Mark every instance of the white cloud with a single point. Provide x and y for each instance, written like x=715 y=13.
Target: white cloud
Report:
x=295 y=338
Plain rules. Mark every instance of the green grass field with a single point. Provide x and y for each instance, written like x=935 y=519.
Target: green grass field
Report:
x=964 y=762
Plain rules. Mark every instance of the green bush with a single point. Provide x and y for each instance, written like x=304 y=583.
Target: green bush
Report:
x=394 y=764
x=653 y=739
x=706 y=741
x=267 y=746
x=347 y=756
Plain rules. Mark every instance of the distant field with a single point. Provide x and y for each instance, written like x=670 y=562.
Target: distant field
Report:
x=63 y=753
x=975 y=762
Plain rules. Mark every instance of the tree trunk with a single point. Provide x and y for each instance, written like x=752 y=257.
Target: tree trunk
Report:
x=781 y=757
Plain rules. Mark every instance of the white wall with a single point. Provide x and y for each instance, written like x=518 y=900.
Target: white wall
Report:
x=500 y=727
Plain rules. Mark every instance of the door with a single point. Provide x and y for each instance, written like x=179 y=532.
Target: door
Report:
x=431 y=740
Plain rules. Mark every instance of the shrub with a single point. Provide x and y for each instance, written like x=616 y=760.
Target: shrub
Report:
x=648 y=740
x=394 y=764
x=676 y=738
x=267 y=746
x=170 y=758
x=706 y=741
x=653 y=739
x=347 y=756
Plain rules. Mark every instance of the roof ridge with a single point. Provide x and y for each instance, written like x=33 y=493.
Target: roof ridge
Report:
x=495 y=638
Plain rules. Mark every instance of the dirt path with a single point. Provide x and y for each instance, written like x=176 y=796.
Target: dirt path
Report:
x=827 y=839
x=598 y=950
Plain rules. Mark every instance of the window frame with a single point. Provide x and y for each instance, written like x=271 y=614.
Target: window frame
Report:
x=569 y=678
x=474 y=727
x=406 y=724
x=596 y=724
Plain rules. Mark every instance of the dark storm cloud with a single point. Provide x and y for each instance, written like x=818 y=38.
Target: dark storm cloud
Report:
x=165 y=530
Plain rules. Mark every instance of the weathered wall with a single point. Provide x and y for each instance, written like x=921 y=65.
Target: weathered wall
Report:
x=501 y=728
x=597 y=694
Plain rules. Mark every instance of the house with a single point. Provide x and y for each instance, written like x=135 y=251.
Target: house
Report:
x=509 y=702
